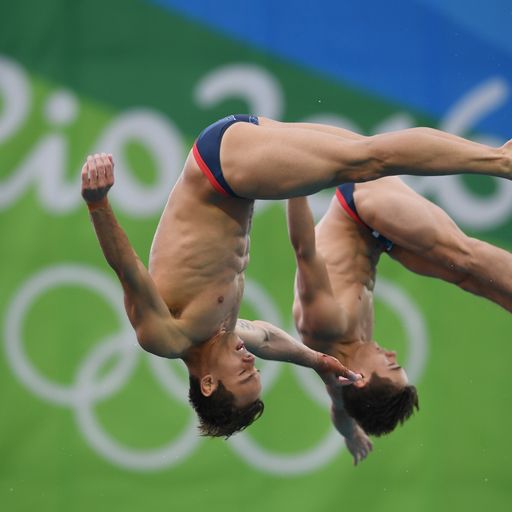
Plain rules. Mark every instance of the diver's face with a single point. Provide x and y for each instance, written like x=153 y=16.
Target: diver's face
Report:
x=372 y=358
x=232 y=364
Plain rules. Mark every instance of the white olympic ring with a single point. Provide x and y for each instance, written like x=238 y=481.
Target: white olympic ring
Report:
x=87 y=390
x=63 y=274
x=82 y=395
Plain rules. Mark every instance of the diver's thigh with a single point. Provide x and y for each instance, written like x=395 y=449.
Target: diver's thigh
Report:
x=275 y=161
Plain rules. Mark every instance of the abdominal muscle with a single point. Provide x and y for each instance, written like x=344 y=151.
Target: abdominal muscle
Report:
x=199 y=255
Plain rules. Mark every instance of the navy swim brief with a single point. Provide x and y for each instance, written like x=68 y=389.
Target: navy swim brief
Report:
x=345 y=195
x=206 y=151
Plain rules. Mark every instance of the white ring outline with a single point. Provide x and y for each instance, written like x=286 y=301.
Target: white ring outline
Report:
x=81 y=396
x=142 y=460
x=31 y=289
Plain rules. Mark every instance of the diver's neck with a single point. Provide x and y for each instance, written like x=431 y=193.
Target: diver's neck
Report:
x=198 y=357
x=346 y=351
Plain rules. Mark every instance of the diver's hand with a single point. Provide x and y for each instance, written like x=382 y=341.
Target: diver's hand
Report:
x=97 y=178
x=356 y=439
x=358 y=444
x=332 y=372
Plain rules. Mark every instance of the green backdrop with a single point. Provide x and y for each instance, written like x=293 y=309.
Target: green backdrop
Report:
x=89 y=421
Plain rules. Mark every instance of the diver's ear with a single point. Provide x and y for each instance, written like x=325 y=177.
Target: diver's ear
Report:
x=208 y=385
x=361 y=383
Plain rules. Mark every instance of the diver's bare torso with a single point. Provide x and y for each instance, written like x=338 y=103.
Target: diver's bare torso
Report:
x=351 y=255
x=199 y=255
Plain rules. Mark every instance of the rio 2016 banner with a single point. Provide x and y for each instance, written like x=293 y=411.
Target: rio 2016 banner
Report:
x=92 y=422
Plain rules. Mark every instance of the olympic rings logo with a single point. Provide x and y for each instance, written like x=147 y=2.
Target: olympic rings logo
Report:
x=88 y=388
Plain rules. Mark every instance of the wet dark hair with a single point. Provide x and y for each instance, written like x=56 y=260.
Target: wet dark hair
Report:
x=381 y=405
x=218 y=414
